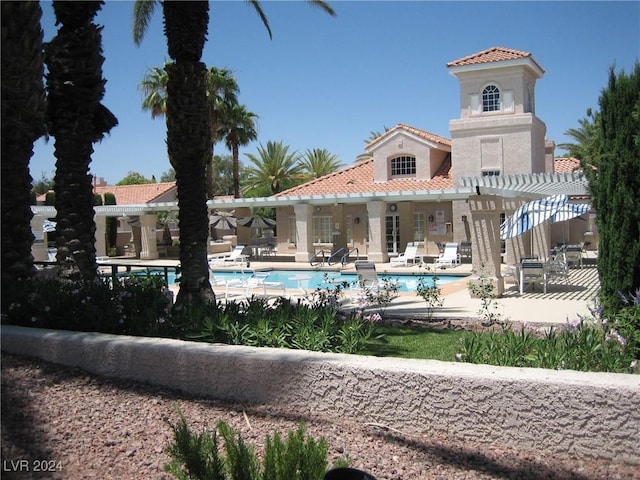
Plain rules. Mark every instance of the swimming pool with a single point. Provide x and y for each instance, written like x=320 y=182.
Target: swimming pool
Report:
x=313 y=279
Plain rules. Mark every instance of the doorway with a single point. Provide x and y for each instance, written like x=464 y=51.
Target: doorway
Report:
x=392 y=233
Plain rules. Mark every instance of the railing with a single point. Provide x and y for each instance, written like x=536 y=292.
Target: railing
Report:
x=345 y=258
x=334 y=255
x=130 y=268
x=315 y=256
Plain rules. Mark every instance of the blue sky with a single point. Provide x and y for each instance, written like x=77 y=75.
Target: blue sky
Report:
x=326 y=82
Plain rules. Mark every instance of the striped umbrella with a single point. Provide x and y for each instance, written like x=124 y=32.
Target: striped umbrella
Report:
x=223 y=220
x=531 y=214
x=256 y=221
x=49 y=226
x=569 y=211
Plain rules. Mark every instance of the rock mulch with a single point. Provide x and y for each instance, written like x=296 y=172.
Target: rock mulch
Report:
x=78 y=426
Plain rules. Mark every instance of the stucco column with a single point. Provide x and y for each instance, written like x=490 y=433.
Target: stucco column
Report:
x=148 y=243
x=101 y=230
x=304 y=232
x=39 y=245
x=519 y=246
x=485 y=230
x=377 y=211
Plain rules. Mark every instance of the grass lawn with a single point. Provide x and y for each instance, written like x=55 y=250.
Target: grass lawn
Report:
x=412 y=342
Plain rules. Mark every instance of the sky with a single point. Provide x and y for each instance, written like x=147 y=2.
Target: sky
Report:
x=328 y=82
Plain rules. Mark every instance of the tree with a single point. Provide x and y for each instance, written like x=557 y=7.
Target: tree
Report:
x=275 y=169
x=188 y=131
x=23 y=114
x=240 y=130
x=615 y=188
x=135 y=178
x=222 y=98
x=76 y=119
x=223 y=174
x=317 y=163
x=585 y=136
x=168 y=176
x=375 y=134
x=154 y=89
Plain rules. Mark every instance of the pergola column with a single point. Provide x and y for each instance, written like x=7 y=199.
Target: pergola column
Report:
x=377 y=212
x=39 y=246
x=100 y=235
x=304 y=232
x=485 y=230
x=148 y=243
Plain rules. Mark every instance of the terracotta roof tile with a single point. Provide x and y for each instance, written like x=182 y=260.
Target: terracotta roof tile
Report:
x=358 y=178
x=414 y=131
x=566 y=165
x=132 y=194
x=493 y=54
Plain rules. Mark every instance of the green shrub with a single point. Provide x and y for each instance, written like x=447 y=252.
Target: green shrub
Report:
x=198 y=456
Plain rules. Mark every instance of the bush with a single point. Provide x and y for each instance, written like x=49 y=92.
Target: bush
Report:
x=199 y=455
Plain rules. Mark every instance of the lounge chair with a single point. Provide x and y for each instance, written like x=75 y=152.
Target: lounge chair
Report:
x=258 y=280
x=367 y=277
x=449 y=258
x=235 y=257
x=533 y=272
x=410 y=255
x=223 y=282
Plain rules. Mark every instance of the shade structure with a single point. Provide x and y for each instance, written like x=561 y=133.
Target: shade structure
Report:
x=569 y=211
x=49 y=226
x=223 y=220
x=256 y=221
x=531 y=214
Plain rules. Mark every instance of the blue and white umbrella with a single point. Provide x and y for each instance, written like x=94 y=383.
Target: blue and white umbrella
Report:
x=531 y=214
x=49 y=226
x=569 y=211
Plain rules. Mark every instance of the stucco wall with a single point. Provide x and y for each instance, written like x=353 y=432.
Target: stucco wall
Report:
x=588 y=414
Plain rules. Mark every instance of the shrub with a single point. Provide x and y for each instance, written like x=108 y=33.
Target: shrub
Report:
x=430 y=293
x=199 y=456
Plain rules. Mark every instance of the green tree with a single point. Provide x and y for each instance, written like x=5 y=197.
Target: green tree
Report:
x=375 y=134
x=585 y=139
x=317 y=163
x=135 y=178
x=188 y=136
x=168 y=176
x=240 y=131
x=76 y=119
x=111 y=225
x=42 y=186
x=23 y=114
x=615 y=188
x=273 y=169
x=154 y=89
x=223 y=174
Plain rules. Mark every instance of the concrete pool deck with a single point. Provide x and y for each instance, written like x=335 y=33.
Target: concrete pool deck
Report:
x=562 y=302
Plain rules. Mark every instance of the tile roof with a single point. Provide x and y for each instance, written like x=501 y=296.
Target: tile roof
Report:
x=358 y=178
x=493 y=54
x=566 y=164
x=132 y=194
x=414 y=131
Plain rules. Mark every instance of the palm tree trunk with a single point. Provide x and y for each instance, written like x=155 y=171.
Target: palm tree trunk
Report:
x=23 y=112
x=236 y=169
x=189 y=143
x=77 y=119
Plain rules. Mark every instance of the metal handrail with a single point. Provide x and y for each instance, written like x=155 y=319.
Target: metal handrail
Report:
x=338 y=252
x=321 y=252
x=346 y=256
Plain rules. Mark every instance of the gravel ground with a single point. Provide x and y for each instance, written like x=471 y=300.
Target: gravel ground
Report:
x=79 y=426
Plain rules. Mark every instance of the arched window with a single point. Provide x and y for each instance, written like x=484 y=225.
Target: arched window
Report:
x=403 y=165
x=491 y=99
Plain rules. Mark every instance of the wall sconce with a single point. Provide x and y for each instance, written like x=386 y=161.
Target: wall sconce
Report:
x=431 y=218
x=393 y=207
x=318 y=209
x=356 y=220
x=464 y=218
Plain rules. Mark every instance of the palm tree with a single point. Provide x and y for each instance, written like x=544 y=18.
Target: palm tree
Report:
x=222 y=96
x=241 y=130
x=586 y=141
x=23 y=114
x=189 y=131
x=318 y=162
x=375 y=134
x=154 y=88
x=274 y=169
x=223 y=174
x=76 y=119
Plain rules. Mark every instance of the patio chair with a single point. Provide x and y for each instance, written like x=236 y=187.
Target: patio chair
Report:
x=367 y=277
x=557 y=268
x=223 y=282
x=410 y=255
x=573 y=255
x=449 y=258
x=532 y=272
x=235 y=257
x=259 y=280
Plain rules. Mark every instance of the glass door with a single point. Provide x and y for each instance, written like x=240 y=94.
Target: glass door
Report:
x=392 y=228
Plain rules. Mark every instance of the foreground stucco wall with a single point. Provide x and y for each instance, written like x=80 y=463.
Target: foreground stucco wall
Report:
x=588 y=414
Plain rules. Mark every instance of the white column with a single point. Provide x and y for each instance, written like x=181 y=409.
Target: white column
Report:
x=485 y=240
x=304 y=231
x=149 y=249
x=100 y=235
x=39 y=246
x=377 y=245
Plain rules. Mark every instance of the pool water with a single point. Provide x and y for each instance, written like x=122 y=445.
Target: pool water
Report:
x=323 y=279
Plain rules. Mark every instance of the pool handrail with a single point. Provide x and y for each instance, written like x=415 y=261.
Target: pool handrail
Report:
x=335 y=254
x=345 y=257
x=321 y=252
